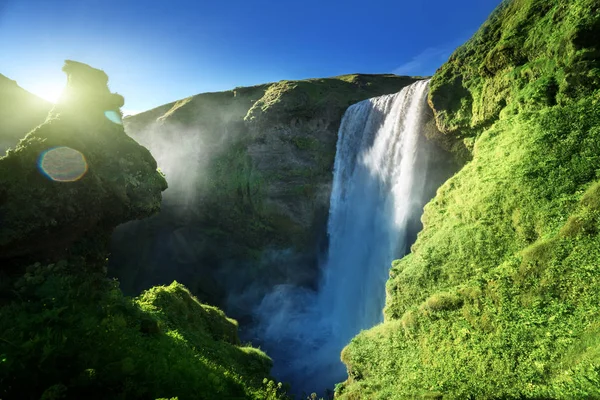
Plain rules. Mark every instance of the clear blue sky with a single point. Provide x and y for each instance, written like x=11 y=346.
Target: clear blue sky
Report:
x=159 y=51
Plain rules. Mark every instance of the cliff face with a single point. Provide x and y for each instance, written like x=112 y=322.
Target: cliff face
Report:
x=67 y=331
x=251 y=207
x=20 y=112
x=294 y=133
x=498 y=298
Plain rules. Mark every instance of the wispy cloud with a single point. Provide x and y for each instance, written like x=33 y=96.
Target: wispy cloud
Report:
x=426 y=62
x=429 y=60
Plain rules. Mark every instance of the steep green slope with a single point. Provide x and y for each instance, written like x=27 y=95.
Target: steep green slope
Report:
x=20 y=112
x=75 y=336
x=499 y=298
x=250 y=182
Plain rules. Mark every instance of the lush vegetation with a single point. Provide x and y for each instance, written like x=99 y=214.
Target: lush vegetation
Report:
x=73 y=335
x=528 y=55
x=499 y=298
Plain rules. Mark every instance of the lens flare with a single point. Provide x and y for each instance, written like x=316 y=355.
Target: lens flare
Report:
x=113 y=116
x=62 y=164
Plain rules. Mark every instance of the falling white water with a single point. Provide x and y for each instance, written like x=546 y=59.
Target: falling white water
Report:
x=378 y=187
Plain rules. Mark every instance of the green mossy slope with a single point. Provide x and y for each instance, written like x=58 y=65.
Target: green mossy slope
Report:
x=20 y=112
x=528 y=55
x=74 y=336
x=499 y=297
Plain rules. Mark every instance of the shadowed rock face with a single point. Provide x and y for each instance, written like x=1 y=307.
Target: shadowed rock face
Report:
x=70 y=181
x=87 y=91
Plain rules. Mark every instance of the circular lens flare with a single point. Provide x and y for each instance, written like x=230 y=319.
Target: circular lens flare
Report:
x=113 y=116
x=62 y=164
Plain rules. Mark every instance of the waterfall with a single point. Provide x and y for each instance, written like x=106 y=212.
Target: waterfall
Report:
x=378 y=192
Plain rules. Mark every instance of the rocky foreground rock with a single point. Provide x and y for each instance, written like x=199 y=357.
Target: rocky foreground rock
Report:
x=74 y=178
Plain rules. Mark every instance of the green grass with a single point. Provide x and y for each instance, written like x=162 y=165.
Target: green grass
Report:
x=73 y=335
x=499 y=297
x=528 y=54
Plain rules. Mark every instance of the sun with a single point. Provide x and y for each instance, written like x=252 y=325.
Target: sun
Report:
x=48 y=91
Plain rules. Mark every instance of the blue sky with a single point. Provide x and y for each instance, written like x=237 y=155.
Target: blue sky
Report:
x=159 y=51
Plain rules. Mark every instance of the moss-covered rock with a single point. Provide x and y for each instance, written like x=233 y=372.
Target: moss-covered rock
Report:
x=499 y=297
x=180 y=308
x=76 y=176
x=527 y=55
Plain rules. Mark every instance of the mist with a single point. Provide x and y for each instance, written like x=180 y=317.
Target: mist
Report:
x=174 y=245
x=186 y=241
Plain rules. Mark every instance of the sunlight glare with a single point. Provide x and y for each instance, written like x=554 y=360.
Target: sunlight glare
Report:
x=62 y=164
x=48 y=91
x=113 y=116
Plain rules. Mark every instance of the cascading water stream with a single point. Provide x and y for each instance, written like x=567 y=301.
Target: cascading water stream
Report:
x=378 y=186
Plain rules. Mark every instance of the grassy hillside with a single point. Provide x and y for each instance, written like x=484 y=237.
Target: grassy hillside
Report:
x=499 y=298
x=20 y=112
x=77 y=337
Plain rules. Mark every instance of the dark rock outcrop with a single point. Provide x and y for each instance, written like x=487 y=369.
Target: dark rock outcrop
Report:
x=76 y=177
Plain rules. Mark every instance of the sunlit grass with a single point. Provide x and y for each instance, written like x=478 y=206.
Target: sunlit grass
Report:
x=499 y=298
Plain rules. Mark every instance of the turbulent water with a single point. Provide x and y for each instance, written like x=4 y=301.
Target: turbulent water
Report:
x=377 y=194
